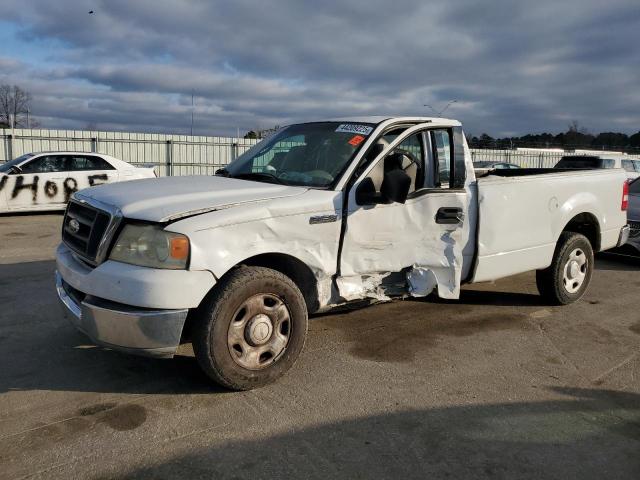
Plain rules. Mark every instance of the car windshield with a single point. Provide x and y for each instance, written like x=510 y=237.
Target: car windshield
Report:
x=6 y=167
x=483 y=164
x=634 y=187
x=309 y=154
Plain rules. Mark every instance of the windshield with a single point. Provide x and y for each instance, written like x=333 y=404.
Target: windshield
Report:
x=6 y=167
x=634 y=187
x=309 y=154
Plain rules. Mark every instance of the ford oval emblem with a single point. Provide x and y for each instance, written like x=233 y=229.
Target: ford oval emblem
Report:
x=74 y=225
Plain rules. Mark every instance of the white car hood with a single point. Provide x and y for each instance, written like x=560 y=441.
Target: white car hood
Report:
x=170 y=198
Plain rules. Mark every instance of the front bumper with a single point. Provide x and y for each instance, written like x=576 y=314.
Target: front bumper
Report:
x=136 y=330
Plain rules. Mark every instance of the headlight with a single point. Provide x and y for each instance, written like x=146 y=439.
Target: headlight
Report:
x=150 y=246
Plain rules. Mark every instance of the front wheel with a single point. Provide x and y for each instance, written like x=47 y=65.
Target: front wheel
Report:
x=569 y=275
x=251 y=329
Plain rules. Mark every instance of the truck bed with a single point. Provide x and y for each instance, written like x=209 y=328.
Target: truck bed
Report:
x=521 y=214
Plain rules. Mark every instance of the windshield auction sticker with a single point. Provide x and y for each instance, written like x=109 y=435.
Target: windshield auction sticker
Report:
x=353 y=128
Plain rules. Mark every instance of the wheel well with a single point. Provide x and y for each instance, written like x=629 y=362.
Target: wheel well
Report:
x=587 y=225
x=295 y=269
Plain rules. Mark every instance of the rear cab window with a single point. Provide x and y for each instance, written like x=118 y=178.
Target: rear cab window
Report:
x=629 y=165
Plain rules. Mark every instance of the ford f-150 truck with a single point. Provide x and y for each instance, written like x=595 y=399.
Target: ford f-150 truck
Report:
x=320 y=214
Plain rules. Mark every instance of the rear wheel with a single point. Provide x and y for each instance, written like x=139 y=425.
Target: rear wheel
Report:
x=251 y=329
x=569 y=275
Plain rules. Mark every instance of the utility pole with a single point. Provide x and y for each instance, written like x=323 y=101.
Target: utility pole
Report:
x=440 y=112
x=192 y=112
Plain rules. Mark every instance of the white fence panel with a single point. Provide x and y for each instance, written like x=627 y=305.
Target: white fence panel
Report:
x=193 y=155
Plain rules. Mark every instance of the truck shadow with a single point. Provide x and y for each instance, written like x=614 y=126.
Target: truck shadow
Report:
x=618 y=260
x=590 y=434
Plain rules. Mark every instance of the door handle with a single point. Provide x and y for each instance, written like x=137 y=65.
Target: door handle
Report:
x=450 y=216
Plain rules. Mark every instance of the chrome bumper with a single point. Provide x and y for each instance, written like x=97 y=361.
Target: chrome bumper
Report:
x=624 y=235
x=140 y=331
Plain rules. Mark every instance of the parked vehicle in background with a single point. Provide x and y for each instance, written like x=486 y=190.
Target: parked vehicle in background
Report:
x=633 y=214
x=46 y=180
x=319 y=215
x=493 y=165
x=484 y=167
x=631 y=166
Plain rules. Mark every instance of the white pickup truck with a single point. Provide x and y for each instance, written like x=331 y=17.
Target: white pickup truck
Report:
x=318 y=215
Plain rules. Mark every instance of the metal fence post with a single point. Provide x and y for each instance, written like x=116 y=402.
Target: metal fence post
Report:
x=169 y=158
x=94 y=144
x=236 y=149
x=9 y=147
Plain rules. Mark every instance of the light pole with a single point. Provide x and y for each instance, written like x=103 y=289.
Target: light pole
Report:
x=440 y=112
x=192 y=112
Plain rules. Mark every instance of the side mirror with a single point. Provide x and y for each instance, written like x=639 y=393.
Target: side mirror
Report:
x=15 y=170
x=395 y=186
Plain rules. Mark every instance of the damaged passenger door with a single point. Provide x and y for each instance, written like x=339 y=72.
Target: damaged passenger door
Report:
x=390 y=247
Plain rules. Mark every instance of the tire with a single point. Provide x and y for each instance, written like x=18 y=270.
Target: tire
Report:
x=567 y=278
x=251 y=328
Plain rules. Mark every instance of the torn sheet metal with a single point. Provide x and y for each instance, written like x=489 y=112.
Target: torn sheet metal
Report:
x=359 y=287
x=406 y=238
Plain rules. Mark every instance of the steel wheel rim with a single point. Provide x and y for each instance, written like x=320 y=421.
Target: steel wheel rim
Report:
x=259 y=331
x=575 y=271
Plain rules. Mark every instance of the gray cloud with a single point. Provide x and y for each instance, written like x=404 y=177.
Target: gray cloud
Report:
x=514 y=67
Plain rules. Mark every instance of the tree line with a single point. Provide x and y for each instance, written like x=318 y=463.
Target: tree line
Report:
x=574 y=138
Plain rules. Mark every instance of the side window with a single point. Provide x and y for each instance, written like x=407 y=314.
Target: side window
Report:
x=608 y=163
x=46 y=164
x=441 y=151
x=628 y=165
x=636 y=163
x=408 y=156
x=89 y=163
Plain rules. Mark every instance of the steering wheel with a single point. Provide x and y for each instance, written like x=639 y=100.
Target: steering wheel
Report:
x=321 y=174
x=411 y=157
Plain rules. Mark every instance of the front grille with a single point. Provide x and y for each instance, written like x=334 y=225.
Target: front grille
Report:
x=92 y=225
x=634 y=225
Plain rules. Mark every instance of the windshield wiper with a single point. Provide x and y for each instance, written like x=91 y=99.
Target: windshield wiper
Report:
x=257 y=175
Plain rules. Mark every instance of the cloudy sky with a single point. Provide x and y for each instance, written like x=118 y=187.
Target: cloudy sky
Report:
x=513 y=66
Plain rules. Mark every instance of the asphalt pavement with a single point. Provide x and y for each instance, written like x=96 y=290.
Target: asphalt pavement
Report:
x=496 y=385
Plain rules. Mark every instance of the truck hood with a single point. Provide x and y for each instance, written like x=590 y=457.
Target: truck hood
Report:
x=170 y=198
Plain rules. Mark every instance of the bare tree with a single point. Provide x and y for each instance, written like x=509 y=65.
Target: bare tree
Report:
x=14 y=106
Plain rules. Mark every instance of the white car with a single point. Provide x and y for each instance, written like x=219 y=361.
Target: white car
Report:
x=608 y=161
x=318 y=215
x=46 y=180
